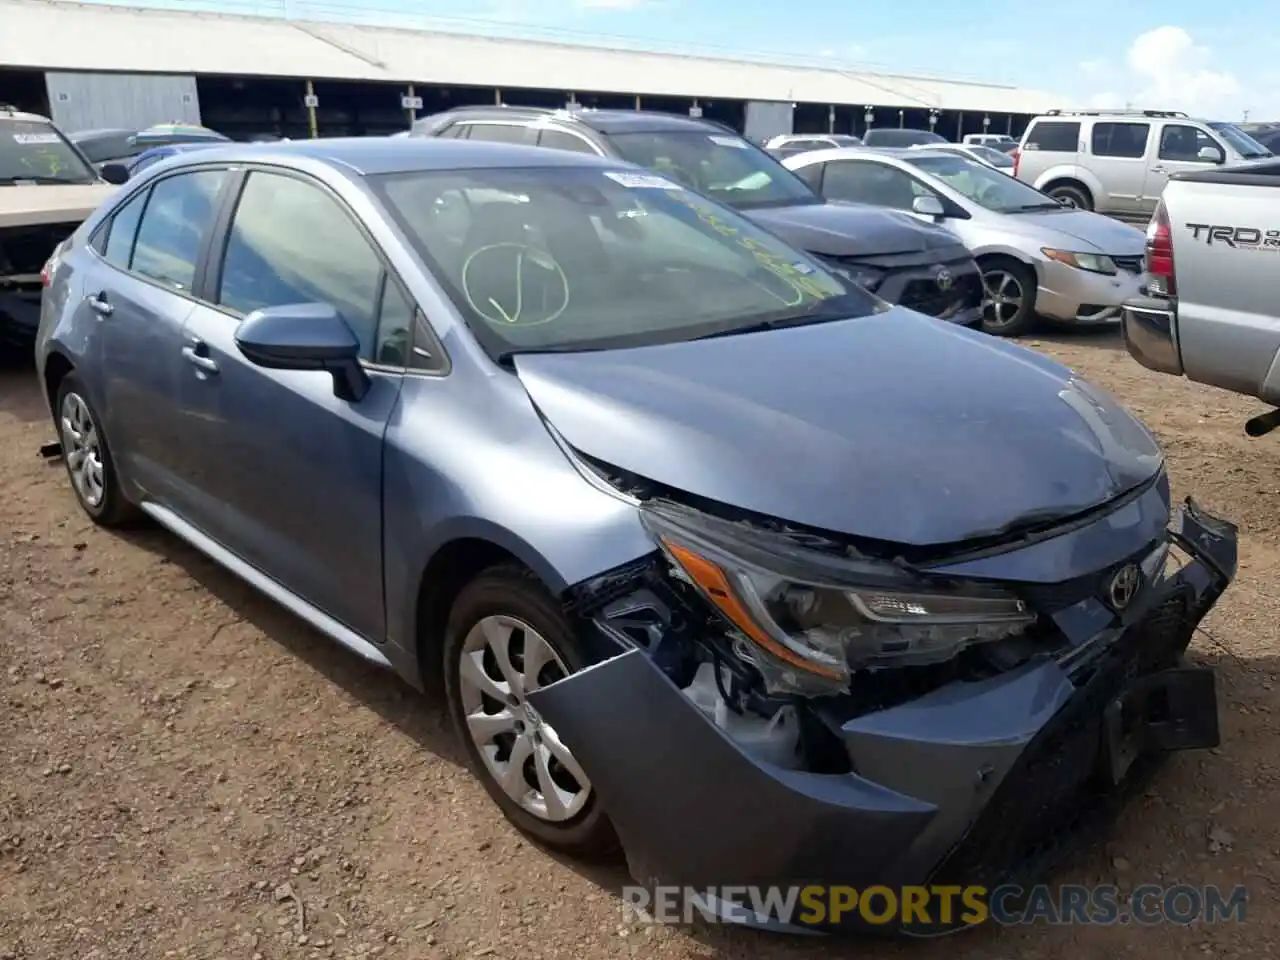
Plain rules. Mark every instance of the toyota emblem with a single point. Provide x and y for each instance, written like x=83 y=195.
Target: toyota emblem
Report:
x=1124 y=586
x=945 y=279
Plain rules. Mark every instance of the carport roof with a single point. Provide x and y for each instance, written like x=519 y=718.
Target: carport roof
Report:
x=54 y=35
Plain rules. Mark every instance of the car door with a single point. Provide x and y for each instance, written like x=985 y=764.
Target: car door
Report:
x=1177 y=150
x=140 y=293
x=877 y=184
x=1119 y=161
x=290 y=474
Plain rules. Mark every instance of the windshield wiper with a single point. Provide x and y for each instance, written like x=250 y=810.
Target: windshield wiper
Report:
x=1037 y=206
x=37 y=178
x=800 y=318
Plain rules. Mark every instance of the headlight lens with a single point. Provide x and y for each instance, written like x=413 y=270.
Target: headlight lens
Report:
x=811 y=619
x=1093 y=262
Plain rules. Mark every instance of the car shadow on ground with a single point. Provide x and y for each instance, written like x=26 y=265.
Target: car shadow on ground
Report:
x=19 y=394
x=421 y=717
x=1107 y=337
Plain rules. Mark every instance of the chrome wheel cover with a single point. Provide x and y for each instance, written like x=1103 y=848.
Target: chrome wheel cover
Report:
x=82 y=450
x=503 y=660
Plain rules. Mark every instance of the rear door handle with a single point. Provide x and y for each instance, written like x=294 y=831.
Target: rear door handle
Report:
x=1157 y=169
x=196 y=354
x=98 y=303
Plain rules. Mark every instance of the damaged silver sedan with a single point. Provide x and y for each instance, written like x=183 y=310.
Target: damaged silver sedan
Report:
x=717 y=555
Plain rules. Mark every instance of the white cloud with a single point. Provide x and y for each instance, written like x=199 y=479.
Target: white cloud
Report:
x=1164 y=69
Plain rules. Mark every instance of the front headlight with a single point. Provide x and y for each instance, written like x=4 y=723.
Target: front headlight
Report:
x=809 y=619
x=1093 y=262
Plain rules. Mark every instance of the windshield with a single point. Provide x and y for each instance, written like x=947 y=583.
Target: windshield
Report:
x=719 y=165
x=102 y=147
x=33 y=150
x=581 y=258
x=986 y=187
x=1240 y=141
x=994 y=157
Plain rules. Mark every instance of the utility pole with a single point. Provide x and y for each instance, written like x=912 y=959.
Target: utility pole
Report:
x=1246 y=117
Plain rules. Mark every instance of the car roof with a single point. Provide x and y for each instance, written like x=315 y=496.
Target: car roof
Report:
x=602 y=121
x=376 y=155
x=106 y=133
x=13 y=113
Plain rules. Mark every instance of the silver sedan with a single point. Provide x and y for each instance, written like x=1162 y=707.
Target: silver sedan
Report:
x=1038 y=258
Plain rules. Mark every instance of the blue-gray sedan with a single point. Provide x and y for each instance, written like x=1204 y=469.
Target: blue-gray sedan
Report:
x=716 y=554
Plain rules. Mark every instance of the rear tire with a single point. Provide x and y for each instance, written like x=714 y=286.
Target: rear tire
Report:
x=503 y=625
x=1074 y=196
x=87 y=457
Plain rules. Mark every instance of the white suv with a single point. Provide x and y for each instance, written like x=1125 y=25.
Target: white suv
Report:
x=1118 y=161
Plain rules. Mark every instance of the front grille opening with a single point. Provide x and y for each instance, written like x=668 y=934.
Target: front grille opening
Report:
x=925 y=296
x=1129 y=264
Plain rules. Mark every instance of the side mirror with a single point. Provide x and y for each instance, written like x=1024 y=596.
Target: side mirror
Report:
x=928 y=207
x=305 y=336
x=1210 y=155
x=115 y=173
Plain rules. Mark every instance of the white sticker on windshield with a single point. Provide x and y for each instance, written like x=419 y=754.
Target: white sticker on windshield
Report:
x=35 y=137
x=729 y=142
x=802 y=268
x=642 y=181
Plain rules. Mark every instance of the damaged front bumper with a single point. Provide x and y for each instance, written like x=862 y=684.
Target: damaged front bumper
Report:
x=976 y=783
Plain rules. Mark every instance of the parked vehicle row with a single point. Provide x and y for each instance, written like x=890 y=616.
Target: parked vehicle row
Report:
x=124 y=146
x=899 y=258
x=718 y=555
x=1037 y=257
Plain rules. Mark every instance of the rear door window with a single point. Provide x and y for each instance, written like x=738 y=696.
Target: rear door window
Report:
x=123 y=230
x=502 y=133
x=559 y=140
x=174 y=224
x=1058 y=136
x=1124 y=140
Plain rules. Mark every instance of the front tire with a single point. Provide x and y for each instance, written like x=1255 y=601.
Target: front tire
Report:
x=87 y=457
x=507 y=637
x=1009 y=297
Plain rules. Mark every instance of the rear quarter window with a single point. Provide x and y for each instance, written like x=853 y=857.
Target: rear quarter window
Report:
x=1058 y=136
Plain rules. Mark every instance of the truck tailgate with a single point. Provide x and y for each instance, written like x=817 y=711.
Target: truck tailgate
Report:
x=1226 y=243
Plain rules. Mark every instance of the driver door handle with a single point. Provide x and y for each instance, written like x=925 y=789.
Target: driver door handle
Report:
x=197 y=355
x=98 y=303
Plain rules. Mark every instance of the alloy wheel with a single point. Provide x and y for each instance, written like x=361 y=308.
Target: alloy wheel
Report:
x=82 y=450
x=1003 y=300
x=503 y=660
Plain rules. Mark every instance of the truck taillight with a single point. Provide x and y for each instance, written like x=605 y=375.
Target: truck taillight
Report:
x=1017 y=158
x=1161 y=279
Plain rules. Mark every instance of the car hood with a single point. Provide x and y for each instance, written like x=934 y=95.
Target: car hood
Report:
x=892 y=427
x=29 y=205
x=1098 y=233
x=851 y=229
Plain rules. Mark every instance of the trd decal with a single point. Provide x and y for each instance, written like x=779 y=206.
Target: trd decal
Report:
x=1238 y=238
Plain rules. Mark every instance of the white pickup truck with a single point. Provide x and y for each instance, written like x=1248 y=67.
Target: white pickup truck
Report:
x=47 y=188
x=1211 y=311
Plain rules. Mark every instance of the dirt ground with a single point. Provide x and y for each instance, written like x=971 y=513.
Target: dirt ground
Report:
x=174 y=749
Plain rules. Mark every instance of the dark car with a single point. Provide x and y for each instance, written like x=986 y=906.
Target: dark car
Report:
x=900 y=137
x=899 y=258
x=715 y=553
x=105 y=146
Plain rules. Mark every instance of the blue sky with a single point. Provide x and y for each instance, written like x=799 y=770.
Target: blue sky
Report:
x=1189 y=55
